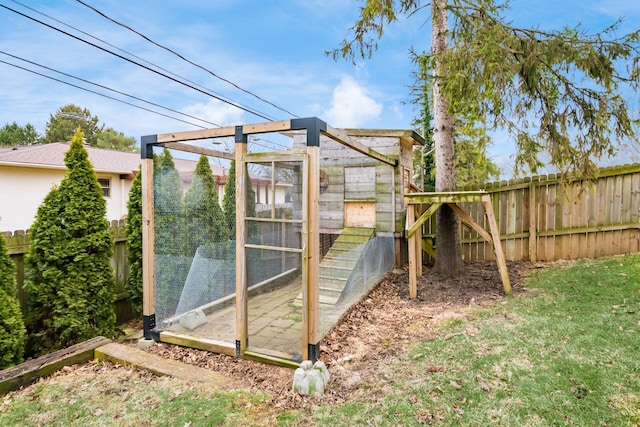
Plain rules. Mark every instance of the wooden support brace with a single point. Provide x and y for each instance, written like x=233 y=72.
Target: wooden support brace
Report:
x=411 y=229
x=464 y=217
x=497 y=245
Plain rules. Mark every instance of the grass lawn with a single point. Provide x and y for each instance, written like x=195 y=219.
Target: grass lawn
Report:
x=563 y=351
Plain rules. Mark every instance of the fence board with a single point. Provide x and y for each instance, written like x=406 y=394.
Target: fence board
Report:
x=570 y=220
x=18 y=245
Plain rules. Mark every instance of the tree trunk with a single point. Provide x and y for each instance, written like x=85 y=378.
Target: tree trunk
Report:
x=449 y=257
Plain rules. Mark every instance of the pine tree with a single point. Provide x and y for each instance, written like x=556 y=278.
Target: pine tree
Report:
x=70 y=282
x=558 y=93
x=168 y=206
x=205 y=221
x=171 y=266
x=12 y=331
x=133 y=230
x=229 y=201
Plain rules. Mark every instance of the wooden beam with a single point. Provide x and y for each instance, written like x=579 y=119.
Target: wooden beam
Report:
x=200 y=343
x=413 y=274
x=279 y=126
x=348 y=141
x=158 y=365
x=464 y=217
x=242 y=294
x=197 y=134
x=199 y=150
x=292 y=156
x=450 y=197
x=148 y=248
x=220 y=132
x=25 y=373
x=425 y=216
x=497 y=245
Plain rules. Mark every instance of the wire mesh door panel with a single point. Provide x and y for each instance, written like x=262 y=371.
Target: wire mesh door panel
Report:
x=275 y=221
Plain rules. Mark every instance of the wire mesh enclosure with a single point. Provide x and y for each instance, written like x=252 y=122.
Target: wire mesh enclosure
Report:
x=259 y=253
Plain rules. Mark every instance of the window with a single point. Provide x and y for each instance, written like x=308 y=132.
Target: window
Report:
x=105 y=185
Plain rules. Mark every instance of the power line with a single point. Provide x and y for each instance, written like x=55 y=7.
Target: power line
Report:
x=102 y=94
x=255 y=113
x=185 y=59
x=119 y=49
x=108 y=88
x=120 y=93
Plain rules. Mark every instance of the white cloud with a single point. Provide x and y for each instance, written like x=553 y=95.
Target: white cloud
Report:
x=216 y=112
x=351 y=105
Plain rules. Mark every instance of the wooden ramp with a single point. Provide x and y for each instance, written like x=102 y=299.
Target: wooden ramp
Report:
x=338 y=264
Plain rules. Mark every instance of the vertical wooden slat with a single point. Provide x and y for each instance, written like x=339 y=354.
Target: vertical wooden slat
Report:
x=635 y=210
x=533 y=236
x=242 y=297
x=148 y=249
x=625 y=214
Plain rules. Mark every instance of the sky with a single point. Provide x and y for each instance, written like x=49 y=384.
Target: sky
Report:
x=267 y=50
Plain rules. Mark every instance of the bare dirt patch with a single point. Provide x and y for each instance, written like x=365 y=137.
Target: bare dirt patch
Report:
x=379 y=327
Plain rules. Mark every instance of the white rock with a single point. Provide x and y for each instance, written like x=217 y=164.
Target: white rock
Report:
x=192 y=319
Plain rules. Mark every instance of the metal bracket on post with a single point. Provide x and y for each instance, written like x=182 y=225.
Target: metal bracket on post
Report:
x=313 y=125
x=146 y=146
x=240 y=138
x=148 y=323
x=314 y=352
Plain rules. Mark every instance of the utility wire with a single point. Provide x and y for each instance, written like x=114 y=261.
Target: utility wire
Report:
x=119 y=49
x=102 y=94
x=185 y=59
x=139 y=64
x=108 y=88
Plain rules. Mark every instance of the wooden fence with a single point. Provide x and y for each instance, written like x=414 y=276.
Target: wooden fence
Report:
x=543 y=218
x=18 y=246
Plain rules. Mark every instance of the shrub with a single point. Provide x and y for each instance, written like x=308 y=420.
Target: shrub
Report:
x=133 y=231
x=70 y=282
x=12 y=331
x=205 y=221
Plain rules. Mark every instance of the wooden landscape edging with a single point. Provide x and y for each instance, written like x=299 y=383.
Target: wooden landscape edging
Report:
x=24 y=374
x=131 y=356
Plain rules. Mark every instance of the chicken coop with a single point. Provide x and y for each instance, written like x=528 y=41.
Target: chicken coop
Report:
x=317 y=219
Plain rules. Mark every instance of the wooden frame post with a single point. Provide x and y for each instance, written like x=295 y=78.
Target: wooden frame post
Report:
x=413 y=272
x=148 y=244
x=242 y=295
x=313 y=253
x=148 y=283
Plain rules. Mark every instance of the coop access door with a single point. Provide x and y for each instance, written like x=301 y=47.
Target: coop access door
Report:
x=276 y=229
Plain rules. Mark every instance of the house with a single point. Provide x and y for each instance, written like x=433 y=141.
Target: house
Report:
x=27 y=174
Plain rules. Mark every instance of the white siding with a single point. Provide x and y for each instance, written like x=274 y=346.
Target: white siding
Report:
x=23 y=189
